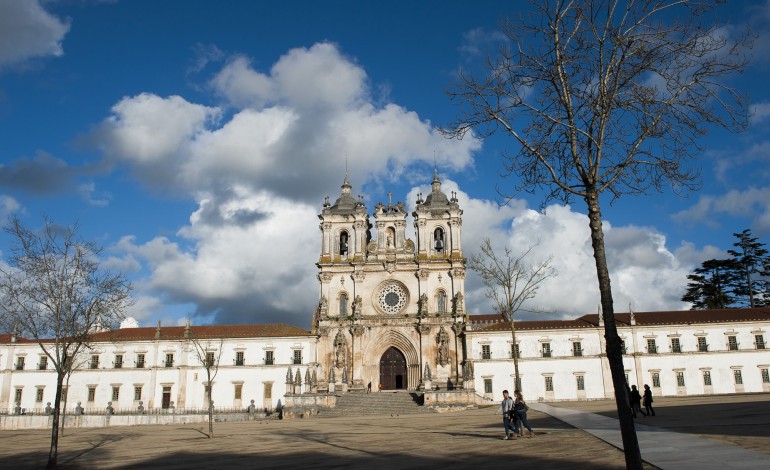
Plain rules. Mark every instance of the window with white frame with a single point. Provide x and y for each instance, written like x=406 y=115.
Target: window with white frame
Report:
x=702 y=344
x=39 y=394
x=20 y=363
x=297 y=356
x=169 y=360
x=486 y=353
x=655 y=379
x=577 y=348
x=91 y=393
x=43 y=363
x=732 y=343
x=548 y=383
x=269 y=358
x=17 y=395
x=676 y=346
x=738 y=377
x=118 y=361
x=679 y=378
x=765 y=372
x=115 y=392
x=707 y=377
x=94 y=362
x=488 y=386
x=759 y=341
x=581 y=384
x=239 y=355
x=546 y=349
x=652 y=348
x=140 y=361
x=137 y=392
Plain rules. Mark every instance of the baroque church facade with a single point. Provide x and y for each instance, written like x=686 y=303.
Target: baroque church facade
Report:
x=391 y=309
x=391 y=312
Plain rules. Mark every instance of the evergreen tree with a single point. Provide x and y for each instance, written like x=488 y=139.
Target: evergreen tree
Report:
x=712 y=285
x=751 y=262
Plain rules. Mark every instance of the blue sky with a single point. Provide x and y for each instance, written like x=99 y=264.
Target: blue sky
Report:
x=196 y=141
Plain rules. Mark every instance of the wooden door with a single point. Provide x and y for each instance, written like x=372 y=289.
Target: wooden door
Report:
x=393 y=370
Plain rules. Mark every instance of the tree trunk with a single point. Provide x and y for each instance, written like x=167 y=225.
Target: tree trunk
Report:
x=516 y=380
x=54 y=450
x=614 y=352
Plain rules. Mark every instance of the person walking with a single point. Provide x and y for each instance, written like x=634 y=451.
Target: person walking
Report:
x=636 y=401
x=505 y=408
x=521 y=408
x=648 y=400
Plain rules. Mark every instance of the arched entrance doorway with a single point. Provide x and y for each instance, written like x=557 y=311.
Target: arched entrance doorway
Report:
x=393 y=370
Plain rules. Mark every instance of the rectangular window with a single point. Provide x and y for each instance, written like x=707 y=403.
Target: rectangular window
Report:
x=118 y=361
x=94 y=362
x=515 y=350
x=91 y=393
x=239 y=358
x=268 y=390
x=577 y=348
x=20 y=363
x=39 y=395
x=652 y=348
x=759 y=340
x=209 y=359
x=765 y=375
x=706 y=377
x=169 y=360
x=702 y=345
x=140 y=361
x=487 y=385
x=581 y=385
x=115 y=393
x=680 y=379
x=656 y=379
x=43 y=364
x=297 y=356
x=676 y=347
x=269 y=358
x=738 y=377
x=137 y=392
x=238 y=390
x=546 y=349
x=485 y=352
x=549 y=384
x=732 y=343
x=623 y=346
x=17 y=397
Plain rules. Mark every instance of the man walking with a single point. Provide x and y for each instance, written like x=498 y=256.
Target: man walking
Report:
x=505 y=407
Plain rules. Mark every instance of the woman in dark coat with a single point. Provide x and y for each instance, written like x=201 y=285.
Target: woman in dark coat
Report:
x=648 y=400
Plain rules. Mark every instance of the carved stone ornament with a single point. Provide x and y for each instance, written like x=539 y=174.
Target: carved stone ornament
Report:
x=358 y=276
x=457 y=273
x=390 y=266
x=340 y=349
x=372 y=247
x=357 y=330
x=409 y=246
x=424 y=273
x=423 y=329
x=326 y=277
x=457 y=328
x=443 y=347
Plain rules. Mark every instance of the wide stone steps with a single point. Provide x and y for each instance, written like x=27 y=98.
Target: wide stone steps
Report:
x=377 y=403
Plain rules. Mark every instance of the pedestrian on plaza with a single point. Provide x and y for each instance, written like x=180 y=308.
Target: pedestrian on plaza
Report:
x=648 y=400
x=379 y=387
x=506 y=407
x=636 y=401
x=369 y=388
x=520 y=408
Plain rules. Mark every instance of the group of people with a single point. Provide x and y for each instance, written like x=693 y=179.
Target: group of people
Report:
x=636 y=400
x=515 y=415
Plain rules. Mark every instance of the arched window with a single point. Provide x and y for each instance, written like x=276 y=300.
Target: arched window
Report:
x=438 y=240
x=343 y=304
x=344 y=243
x=441 y=301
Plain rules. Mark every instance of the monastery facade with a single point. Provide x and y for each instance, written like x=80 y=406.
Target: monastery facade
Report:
x=391 y=313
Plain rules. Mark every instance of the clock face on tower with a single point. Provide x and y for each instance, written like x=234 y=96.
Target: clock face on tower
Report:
x=392 y=297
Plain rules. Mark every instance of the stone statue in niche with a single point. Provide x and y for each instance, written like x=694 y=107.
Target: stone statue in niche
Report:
x=340 y=350
x=426 y=373
x=423 y=304
x=358 y=306
x=443 y=347
x=458 y=303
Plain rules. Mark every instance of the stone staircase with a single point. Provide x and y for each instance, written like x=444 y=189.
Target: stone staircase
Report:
x=390 y=402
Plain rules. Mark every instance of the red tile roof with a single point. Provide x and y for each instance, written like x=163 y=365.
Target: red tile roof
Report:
x=675 y=317
x=177 y=332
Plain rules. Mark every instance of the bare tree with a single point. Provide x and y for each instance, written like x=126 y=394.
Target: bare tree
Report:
x=208 y=351
x=606 y=96
x=510 y=282
x=54 y=291
x=73 y=364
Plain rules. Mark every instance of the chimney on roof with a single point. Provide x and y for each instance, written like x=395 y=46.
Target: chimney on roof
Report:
x=631 y=313
x=187 y=329
x=157 y=331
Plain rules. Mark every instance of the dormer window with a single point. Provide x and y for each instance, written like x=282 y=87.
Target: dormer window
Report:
x=344 y=243
x=438 y=240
